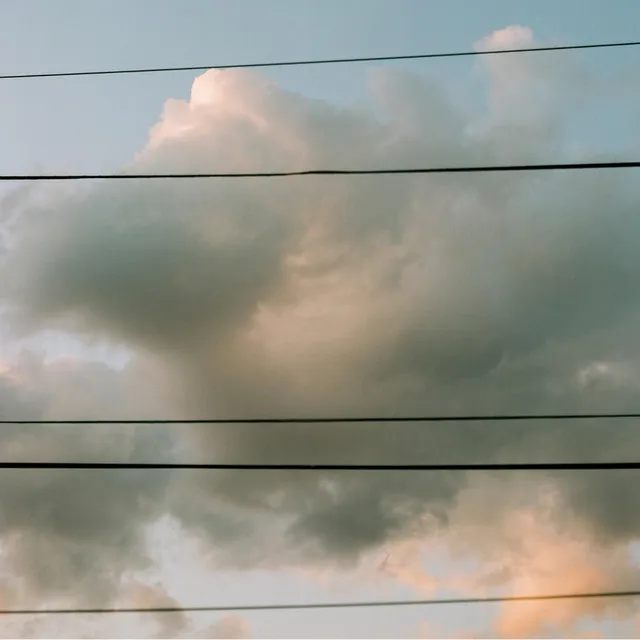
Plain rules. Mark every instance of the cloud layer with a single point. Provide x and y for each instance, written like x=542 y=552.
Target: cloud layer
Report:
x=489 y=293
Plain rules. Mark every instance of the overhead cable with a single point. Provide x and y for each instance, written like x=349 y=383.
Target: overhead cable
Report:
x=347 y=420
x=31 y=177
x=327 y=605
x=258 y=466
x=322 y=61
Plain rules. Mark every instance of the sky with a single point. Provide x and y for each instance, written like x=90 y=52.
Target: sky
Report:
x=101 y=122
x=318 y=296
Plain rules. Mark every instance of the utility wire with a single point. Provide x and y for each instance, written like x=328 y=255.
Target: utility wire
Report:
x=334 y=420
x=327 y=605
x=322 y=172
x=296 y=63
x=219 y=466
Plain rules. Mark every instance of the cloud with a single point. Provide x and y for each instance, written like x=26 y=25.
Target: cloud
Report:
x=340 y=296
x=512 y=37
x=550 y=562
x=65 y=533
x=227 y=627
x=538 y=547
x=171 y=625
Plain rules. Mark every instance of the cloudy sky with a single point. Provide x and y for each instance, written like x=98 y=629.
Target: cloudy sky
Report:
x=319 y=296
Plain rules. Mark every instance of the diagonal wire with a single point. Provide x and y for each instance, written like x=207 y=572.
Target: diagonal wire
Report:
x=325 y=61
x=329 y=605
x=347 y=420
x=323 y=172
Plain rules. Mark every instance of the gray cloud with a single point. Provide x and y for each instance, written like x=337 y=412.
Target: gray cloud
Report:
x=331 y=296
x=68 y=533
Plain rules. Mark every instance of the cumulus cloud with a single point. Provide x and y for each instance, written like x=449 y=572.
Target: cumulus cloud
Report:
x=227 y=627
x=170 y=625
x=554 y=562
x=336 y=296
x=64 y=533
x=540 y=547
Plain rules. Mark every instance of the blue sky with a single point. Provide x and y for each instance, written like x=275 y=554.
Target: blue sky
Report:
x=95 y=124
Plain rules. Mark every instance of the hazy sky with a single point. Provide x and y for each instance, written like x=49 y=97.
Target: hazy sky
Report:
x=487 y=294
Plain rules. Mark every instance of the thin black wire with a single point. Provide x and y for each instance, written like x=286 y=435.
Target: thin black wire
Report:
x=327 y=605
x=373 y=419
x=323 y=172
x=219 y=466
x=295 y=63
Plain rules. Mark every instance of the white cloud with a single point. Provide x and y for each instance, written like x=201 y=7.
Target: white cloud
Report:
x=512 y=37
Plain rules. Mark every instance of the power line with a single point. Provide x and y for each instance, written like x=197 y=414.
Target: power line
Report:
x=220 y=466
x=322 y=172
x=327 y=605
x=296 y=63
x=334 y=420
